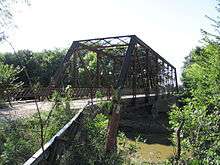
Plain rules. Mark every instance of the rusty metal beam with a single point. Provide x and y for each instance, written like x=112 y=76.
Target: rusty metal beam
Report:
x=139 y=41
x=90 y=48
x=125 y=65
x=73 y=48
x=116 y=37
x=151 y=72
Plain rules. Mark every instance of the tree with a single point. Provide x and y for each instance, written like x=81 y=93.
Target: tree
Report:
x=40 y=66
x=200 y=110
x=8 y=75
x=7 y=13
x=201 y=113
x=213 y=36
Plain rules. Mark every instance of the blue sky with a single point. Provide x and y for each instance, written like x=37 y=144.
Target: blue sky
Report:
x=171 y=27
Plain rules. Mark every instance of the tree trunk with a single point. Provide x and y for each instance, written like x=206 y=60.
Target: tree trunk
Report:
x=111 y=141
x=178 y=142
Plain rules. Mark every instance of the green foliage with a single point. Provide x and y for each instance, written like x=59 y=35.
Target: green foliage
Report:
x=88 y=66
x=21 y=138
x=201 y=110
x=106 y=107
x=202 y=76
x=99 y=95
x=41 y=66
x=93 y=150
x=8 y=76
x=90 y=61
x=127 y=149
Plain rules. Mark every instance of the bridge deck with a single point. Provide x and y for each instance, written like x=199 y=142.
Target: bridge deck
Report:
x=27 y=108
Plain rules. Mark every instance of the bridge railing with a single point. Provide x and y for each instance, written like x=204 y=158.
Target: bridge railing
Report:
x=56 y=146
x=25 y=93
x=42 y=92
x=51 y=149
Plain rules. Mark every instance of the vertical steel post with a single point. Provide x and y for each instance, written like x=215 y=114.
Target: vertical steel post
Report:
x=134 y=77
x=156 y=77
x=147 y=67
x=111 y=144
x=97 y=70
x=74 y=69
x=65 y=62
x=176 y=83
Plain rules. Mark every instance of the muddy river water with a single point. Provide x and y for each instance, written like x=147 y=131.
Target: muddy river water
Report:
x=152 y=148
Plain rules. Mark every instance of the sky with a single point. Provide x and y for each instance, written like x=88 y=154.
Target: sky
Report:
x=171 y=27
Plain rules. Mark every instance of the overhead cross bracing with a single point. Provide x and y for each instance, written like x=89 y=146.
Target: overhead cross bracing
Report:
x=103 y=64
x=124 y=62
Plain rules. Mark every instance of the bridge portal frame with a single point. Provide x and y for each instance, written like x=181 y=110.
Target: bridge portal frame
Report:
x=140 y=68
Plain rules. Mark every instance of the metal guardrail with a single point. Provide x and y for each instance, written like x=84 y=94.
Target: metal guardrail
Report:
x=55 y=145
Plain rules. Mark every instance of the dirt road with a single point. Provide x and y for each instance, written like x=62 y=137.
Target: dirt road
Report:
x=28 y=108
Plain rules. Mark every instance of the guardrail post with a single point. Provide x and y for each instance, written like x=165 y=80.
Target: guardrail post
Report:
x=55 y=151
x=91 y=94
x=108 y=93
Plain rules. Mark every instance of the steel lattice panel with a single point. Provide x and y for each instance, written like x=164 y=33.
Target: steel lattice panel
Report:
x=123 y=62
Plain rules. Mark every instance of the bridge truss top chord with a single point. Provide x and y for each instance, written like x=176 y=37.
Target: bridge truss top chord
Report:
x=123 y=62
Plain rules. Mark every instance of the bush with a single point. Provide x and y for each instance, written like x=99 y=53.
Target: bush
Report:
x=201 y=79
x=8 y=77
x=92 y=150
x=21 y=138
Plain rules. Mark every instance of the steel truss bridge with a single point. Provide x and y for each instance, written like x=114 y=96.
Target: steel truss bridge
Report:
x=122 y=63
x=102 y=64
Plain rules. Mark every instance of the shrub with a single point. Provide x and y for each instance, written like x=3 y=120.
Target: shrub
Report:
x=21 y=138
x=201 y=79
